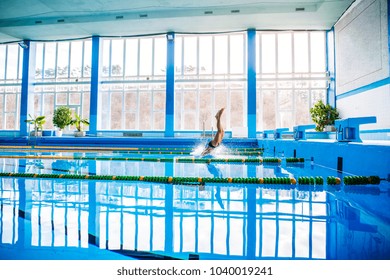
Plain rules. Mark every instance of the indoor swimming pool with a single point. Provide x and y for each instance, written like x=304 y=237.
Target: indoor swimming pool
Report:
x=168 y=203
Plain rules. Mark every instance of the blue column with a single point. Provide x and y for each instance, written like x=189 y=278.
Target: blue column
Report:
x=28 y=73
x=251 y=83
x=170 y=84
x=93 y=111
x=331 y=67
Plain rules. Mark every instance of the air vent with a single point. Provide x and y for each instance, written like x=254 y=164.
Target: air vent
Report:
x=119 y=17
x=299 y=9
x=38 y=21
x=235 y=11
x=60 y=20
x=143 y=15
x=208 y=12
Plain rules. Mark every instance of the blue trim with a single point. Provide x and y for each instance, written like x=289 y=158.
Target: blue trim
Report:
x=376 y=131
x=28 y=73
x=170 y=87
x=114 y=142
x=368 y=87
x=251 y=83
x=93 y=111
x=331 y=67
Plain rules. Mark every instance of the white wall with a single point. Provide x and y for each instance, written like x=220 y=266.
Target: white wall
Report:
x=362 y=60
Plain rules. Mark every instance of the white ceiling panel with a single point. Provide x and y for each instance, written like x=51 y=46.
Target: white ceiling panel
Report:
x=67 y=19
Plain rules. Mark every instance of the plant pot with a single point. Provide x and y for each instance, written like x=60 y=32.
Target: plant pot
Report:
x=79 y=134
x=329 y=128
x=58 y=133
x=37 y=133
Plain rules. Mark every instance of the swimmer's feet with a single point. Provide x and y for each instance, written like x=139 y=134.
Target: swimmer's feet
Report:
x=219 y=113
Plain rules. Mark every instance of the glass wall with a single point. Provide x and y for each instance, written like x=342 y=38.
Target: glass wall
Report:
x=291 y=77
x=210 y=73
x=62 y=78
x=132 y=93
x=11 y=62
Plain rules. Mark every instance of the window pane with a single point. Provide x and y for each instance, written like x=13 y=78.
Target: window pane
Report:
x=12 y=62
x=146 y=57
x=39 y=61
x=131 y=57
x=221 y=55
x=205 y=55
x=2 y=61
x=178 y=56
x=268 y=53
x=76 y=59
x=106 y=58
x=160 y=56
x=87 y=58
x=284 y=53
x=286 y=119
x=50 y=59
x=190 y=56
x=317 y=50
x=63 y=59
x=269 y=105
x=301 y=52
x=117 y=58
x=285 y=99
x=236 y=54
x=302 y=107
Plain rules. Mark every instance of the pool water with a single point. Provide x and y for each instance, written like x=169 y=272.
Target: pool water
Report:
x=54 y=218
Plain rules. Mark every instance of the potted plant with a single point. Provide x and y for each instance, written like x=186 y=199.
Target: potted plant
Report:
x=78 y=121
x=62 y=118
x=38 y=123
x=323 y=115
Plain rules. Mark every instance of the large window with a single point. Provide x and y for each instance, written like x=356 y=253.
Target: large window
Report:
x=132 y=94
x=210 y=73
x=11 y=61
x=291 y=77
x=62 y=78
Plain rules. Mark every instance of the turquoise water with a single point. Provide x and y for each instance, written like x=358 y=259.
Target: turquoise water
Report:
x=93 y=219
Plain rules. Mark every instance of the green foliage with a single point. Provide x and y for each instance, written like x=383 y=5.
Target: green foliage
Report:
x=78 y=122
x=38 y=122
x=323 y=115
x=62 y=117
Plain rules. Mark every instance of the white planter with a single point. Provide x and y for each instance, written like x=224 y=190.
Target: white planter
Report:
x=330 y=128
x=36 y=133
x=58 y=133
x=79 y=133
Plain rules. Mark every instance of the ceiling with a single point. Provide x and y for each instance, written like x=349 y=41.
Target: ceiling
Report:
x=68 y=19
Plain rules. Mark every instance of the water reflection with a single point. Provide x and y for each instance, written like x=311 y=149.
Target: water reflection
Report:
x=165 y=221
x=80 y=219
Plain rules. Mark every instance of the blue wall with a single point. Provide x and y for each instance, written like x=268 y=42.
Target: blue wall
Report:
x=357 y=158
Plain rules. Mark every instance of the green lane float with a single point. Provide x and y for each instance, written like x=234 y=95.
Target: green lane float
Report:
x=361 y=180
x=333 y=183
x=158 y=179
x=318 y=180
x=295 y=160
x=272 y=160
x=151 y=159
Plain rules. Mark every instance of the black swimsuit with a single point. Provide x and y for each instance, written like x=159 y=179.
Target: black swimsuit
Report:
x=212 y=146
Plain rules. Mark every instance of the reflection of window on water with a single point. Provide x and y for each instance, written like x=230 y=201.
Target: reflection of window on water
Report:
x=129 y=215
